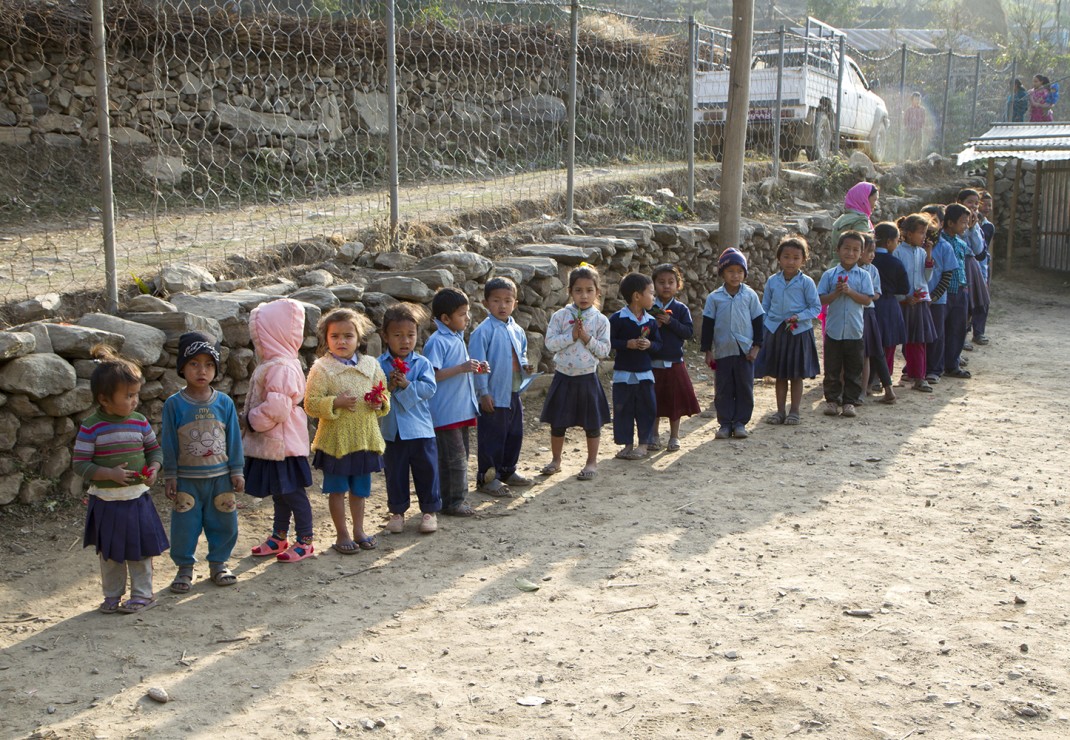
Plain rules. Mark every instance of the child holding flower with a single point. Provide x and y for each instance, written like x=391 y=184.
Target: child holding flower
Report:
x=672 y=385
x=634 y=335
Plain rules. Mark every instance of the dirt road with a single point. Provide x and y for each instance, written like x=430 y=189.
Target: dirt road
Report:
x=705 y=593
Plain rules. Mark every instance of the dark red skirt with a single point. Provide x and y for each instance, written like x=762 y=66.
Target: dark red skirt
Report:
x=674 y=393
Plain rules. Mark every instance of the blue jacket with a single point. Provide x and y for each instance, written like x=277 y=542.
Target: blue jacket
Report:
x=410 y=412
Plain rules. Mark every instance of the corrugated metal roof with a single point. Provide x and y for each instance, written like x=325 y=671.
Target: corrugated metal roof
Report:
x=916 y=39
x=1037 y=142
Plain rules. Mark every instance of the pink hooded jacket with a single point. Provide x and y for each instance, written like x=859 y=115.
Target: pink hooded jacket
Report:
x=277 y=425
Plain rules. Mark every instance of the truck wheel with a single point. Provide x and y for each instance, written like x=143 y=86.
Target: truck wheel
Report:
x=878 y=142
x=821 y=146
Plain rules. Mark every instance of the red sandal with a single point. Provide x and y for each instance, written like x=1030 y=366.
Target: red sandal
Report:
x=298 y=551
x=271 y=546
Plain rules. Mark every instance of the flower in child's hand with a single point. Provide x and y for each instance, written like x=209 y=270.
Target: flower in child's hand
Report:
x=793 y=323
x=146 y=473
x=375 y=395
x=644 y=332
x=712 y=364
x=841 y=279
x=400 y=365
x=483 y=369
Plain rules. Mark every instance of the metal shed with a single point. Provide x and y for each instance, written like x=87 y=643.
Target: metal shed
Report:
x=1047 y=144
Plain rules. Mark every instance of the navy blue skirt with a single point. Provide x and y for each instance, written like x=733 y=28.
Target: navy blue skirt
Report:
x=918 y=320
x=975 y=279
x=872 y=341
x=890 y=321
x=125 y=530
x=265 y=478
x=786 y=356
x=355 y=463
x=575 y=401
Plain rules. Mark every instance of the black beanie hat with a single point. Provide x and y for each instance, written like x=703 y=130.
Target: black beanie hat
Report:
x=194 y=343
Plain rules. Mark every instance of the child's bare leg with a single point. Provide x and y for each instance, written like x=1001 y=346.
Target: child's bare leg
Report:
x=356 y=508
x=674 y=428
x=557 y=445
x=592 y=455
x=865 y=376
x=782 y=395
x=796 y=395
x=336 y=504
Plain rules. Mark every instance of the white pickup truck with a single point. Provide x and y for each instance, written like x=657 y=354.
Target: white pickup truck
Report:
x=808 y=101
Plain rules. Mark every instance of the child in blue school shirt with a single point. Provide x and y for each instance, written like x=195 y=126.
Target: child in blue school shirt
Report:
x=500 y=342
x=454 y=408
x=846 y=289
x=408 y=430
x=732 y=335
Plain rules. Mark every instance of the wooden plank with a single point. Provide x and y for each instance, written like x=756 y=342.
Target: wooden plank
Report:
x=1014 y=214
x=1034 y=236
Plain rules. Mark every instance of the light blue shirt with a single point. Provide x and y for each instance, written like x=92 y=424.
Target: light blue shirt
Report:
x=630 y=378
x=875 y=278
x=783 y=299
x=498 y=342
x=410 y=412
x=945 y=261
x=455 y=399
x=844 y=319
x=733 y=317
x=913 y=259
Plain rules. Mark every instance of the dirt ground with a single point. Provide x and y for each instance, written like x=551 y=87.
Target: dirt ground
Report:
x=705 y=593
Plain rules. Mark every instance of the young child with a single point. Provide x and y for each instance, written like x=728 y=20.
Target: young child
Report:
x=408 y=429
x=896 y=287
x=976 y=255
x=347 y=392
x=988 y=232
x=203 y=464
x=502 y=344
x=872 y=339
x=732 y=336
x=950 y=300
x=917 y=318
x=275 y=435
x=673 y=391
x=634 y=334
x=579 y=337
x=789 y=352
x=453 y=407
x=846 y=289
x=117 y=451
x=914 y=124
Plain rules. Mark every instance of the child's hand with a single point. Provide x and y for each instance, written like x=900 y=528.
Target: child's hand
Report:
x=580 y=333
x=345 y=400
x=642 y=343
x=709 y=357
x=238 y=482
x=663 y=318
x=152 y=471
x=487 y=404
x=119 y=474
x=170 y=487
x=398 y=380
x=374 y=405
x=753 y=354
x=472 y=366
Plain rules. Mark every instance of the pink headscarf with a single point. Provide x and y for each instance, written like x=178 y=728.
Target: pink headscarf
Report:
x=858 y=198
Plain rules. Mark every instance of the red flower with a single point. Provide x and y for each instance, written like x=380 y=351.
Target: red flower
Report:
x=146 y=472
x=400 y=365
x=375 y=395
x=644 y=332
x=793 y=324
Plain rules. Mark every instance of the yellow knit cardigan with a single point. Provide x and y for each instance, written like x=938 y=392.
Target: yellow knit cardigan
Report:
x=341 y=431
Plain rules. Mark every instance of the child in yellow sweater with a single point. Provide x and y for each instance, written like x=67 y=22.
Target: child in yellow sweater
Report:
x=347 y=392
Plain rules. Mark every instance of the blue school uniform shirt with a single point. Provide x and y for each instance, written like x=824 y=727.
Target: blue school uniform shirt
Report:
x=913 y=259
x=844 y=319
x=673 y=335
x=410 y=412
x=944 y=260
x=201 y=439
x=632 y=366
x=786 y=298
x=498 y=342
x=455 y=398
x=733 y=317
x=875 y=278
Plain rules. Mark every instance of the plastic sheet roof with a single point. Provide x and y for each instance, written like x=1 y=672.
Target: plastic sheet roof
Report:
x=1037 y=142
x=917 y=39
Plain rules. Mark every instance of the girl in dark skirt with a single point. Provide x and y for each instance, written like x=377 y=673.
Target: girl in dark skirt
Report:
x=917 y=318
x=673 y=392
x=275 y=428
x=117 y=451
x=578 y=334
x=896 y=286
x=789 y=352
x=872 y=341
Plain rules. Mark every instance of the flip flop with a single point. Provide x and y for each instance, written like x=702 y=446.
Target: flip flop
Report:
x=630 y=455
x=674 y=445
x=136 y=604
x=654 y=446
x=586 y=475
x=777 y=418
x=791 y=419
x=367 y=543
x=348 y=547
x=182 y=582
x=550 y=469
x=110 y=605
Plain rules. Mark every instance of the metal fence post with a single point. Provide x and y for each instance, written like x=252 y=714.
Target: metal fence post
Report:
x=1010 y=95
x=570 y=152
x=947 y=94
x=839 y=95
x=778 y=105
x=689 y=118
x=100 y=52
x=392 y=119
x=902 y=101
x=976 y=84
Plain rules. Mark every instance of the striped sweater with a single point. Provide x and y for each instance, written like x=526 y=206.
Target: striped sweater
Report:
x=106 y=441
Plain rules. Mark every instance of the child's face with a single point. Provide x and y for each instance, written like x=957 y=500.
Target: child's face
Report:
x=666 y=286
x=916 y=237
x=869 y=250
x=123 y=401
x=915 y=101
x=849 y=252
x=458 y=320
x=790 y=260
x=644 y=299
x=199 y=372
x=583 y=293
x=972 y=202
x=959 y=225
x=342 y=339
x=733 y=276
x=985 y=207
x=401 y=337
x=501 y=303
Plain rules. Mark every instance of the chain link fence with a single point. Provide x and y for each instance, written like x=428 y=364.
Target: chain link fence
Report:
x=242 y=126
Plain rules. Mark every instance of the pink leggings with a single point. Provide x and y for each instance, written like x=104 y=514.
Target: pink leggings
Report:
x=914 y=352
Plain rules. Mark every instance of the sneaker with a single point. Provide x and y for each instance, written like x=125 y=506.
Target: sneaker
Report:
x=831 y=409
x=516 y=479
x=980 y=339
x=849 y=410
x=723 y=433
x=740 y=432
x=396 y=524
x=428 y=524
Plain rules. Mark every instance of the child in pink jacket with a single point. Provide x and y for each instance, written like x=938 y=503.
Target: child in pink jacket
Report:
x=275 y=428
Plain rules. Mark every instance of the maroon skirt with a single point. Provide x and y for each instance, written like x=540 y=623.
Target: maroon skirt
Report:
x=674 y=393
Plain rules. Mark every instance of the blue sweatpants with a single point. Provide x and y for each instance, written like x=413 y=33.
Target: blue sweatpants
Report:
x=204 y=505
x=421 y=457
x=734 y=381
x=934 y=350
x=635 y=408
x=500 y=436
x=957 y=324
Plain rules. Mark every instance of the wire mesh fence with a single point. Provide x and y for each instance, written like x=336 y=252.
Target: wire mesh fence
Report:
x=240 y=126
